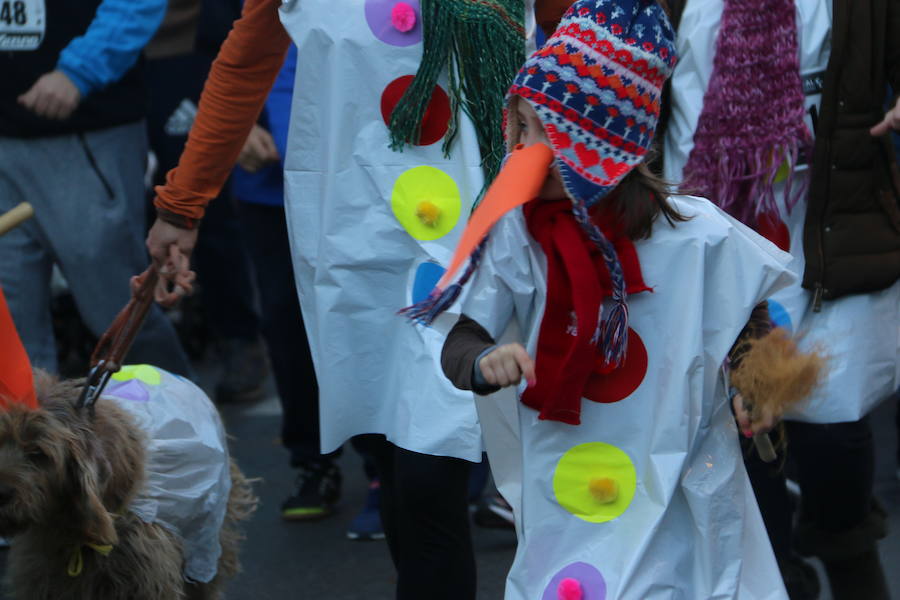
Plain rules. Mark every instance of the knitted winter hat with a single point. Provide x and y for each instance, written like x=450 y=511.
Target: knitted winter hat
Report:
x=596 y=87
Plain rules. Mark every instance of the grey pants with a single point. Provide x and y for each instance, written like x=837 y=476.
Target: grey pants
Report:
x=89 y=204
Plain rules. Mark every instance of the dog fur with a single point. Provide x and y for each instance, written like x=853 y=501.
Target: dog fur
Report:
x=66 y=481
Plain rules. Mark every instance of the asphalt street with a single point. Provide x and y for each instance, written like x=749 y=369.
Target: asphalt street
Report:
x=315 y=560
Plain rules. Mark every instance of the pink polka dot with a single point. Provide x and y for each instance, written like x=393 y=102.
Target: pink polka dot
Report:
x=405 y=30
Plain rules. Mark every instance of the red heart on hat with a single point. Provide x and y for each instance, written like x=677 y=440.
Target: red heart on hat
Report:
x=560 y=140
x=586 y=156
x=613 y=169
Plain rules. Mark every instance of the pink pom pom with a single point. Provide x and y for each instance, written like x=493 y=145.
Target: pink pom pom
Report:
x=569 y=589
x=403 y=17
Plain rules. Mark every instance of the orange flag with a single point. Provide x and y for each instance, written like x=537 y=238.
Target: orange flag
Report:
x=16 y=378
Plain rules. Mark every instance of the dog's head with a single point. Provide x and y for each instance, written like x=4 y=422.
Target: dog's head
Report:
x=53 y=467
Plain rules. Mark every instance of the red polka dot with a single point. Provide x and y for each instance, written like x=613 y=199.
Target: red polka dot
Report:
x=621 y=383
x=437 y=115
x=771 y=227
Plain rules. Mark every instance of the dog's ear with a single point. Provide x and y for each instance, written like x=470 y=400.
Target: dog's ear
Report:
x=99 y=527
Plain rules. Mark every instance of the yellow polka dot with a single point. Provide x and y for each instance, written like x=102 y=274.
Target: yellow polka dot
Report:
x=784 y=170
x=595 y=482
x=426 y=201
x=145 y=373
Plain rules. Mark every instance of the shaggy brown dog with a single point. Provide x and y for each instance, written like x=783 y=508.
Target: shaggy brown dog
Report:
x=66 y=481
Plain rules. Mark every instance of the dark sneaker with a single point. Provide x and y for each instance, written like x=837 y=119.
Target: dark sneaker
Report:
x=367 y=524
x=318 y=490
x=244 y=371
x=494 y=513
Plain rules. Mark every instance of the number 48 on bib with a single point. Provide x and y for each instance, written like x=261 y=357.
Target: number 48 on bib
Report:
x=22 y=24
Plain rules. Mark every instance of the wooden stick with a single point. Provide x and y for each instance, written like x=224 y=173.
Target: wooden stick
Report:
x=764 y=447
x=15 y=217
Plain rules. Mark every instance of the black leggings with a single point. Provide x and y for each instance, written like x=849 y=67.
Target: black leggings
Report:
x=835 y=469
x=424 y=511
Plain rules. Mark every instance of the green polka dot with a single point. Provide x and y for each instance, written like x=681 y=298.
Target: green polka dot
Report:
x=145 y=373
x=593 y=462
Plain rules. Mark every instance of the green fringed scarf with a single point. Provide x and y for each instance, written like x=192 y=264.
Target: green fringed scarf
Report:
x=482 y=43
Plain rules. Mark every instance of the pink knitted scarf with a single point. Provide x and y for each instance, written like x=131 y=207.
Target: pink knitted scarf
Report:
x=752 y=119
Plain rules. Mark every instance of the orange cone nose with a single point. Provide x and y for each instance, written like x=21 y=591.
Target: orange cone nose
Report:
x=519 y=181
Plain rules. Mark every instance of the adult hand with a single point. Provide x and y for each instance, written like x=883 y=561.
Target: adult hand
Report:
x=258 y=151
x=505 y=366
x=752 y=424
x=891 y=121
x=53 y=96
x=170 y=248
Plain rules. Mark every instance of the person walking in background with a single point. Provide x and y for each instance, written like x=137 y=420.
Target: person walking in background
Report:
x=258 y=184
x=73 y=144
x=178 y=61
x=789 y=143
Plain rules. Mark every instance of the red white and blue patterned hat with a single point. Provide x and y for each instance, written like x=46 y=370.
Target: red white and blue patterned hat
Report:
x=596 y=86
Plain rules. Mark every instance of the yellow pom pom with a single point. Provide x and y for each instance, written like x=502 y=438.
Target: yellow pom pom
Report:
x=428 y=212
x=604 y=490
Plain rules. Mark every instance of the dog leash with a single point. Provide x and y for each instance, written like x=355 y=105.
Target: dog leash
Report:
x=117 y=340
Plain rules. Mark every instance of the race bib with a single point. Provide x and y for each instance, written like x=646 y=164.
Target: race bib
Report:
x=22 y=24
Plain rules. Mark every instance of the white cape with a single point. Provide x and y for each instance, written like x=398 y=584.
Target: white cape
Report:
x=692 y=529
x=355 y=263
x=188 y=475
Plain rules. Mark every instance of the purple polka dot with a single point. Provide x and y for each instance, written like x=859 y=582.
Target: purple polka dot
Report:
x=132 y=390
x=592 y=583
x=378 y=15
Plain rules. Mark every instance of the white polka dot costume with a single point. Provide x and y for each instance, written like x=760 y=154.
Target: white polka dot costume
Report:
x=371 y=228
x=648 y=498
x=861 y=351
x=188 y=477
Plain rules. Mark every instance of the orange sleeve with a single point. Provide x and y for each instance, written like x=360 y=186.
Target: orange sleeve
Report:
x=233 y=96
x=549 y=12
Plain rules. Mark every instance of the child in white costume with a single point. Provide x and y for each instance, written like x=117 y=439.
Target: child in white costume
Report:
x=646 y=498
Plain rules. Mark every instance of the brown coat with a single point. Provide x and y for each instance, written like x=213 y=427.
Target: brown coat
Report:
x=852 y=233
x=851 y=236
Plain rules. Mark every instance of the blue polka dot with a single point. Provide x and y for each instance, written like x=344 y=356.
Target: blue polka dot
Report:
x=427 y=276
x=780 y=316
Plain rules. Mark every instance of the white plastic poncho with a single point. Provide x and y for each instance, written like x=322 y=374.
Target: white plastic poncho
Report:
x=648 y=498
x=360 y=251
x=858 y=333
x=188 y=476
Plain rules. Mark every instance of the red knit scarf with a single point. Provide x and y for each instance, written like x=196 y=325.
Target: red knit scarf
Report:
x=577 y=283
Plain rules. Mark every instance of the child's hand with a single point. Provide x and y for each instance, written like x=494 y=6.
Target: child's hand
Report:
x=763 y=423
x=505 y=366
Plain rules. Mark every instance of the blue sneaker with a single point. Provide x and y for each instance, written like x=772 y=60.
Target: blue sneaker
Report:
x=366 y=525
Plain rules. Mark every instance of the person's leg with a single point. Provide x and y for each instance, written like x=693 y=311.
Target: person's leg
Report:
x=291 y=360
x=840 y=522
x=25 y=264
x=769 y=486
x=383 y=454
x=436 y=558
x=94 y=223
